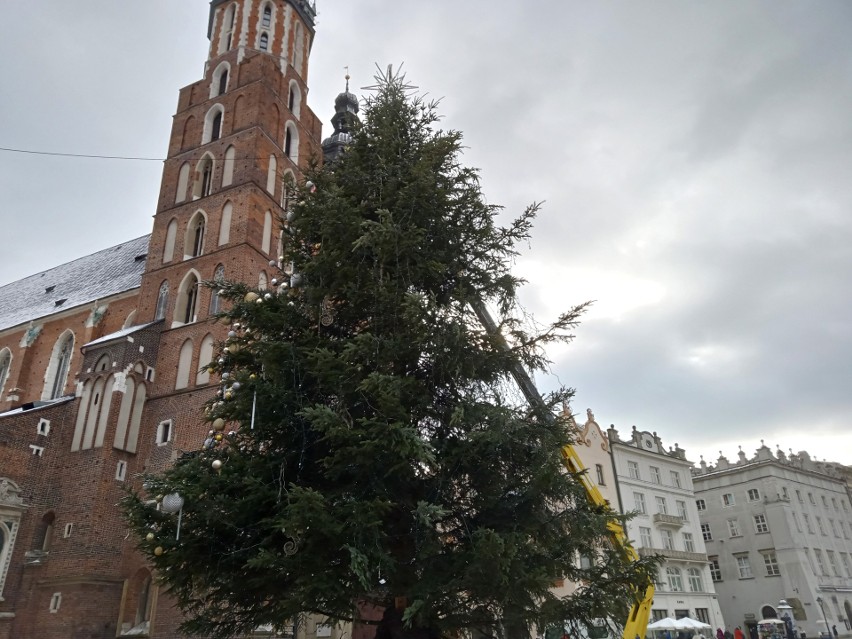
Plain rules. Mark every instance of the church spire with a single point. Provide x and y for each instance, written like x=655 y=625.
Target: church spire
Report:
x=345 y=117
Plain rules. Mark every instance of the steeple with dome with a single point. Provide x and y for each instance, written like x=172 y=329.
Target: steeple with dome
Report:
x=343 y=121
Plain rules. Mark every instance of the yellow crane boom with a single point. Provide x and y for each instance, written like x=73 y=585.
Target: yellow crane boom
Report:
x=637 y=620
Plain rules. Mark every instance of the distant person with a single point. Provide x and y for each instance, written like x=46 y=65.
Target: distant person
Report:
x=738 y=633
x=720 y=634
x=834 y=630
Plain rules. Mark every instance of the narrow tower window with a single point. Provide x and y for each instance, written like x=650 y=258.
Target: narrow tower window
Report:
x=61 y=361
x=162 y=301
x=267 y=16
x=216 y=131
x=264 y=41
x=223 y=82
x=5 y=365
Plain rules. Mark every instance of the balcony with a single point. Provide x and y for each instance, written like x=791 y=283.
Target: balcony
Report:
x=678 y=555
x=668 y=520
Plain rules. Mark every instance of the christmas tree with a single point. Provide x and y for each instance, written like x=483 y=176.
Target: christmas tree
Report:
x=369 y=449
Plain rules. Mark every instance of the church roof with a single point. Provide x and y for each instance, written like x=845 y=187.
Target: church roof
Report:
x=85 y=280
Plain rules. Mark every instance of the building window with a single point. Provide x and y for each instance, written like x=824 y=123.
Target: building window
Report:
x=675 y=579
x=760 y=524
x=715 y=569
x=5 y=366
x=744 y=567
x=267 y=16
x=675 y=478
x=600 y=474
x=196 y=229
x=219 y=278
x=659 y=614
x=834 y=503
x=38 y=451
x=832 y=563
x=186 y=300
x=833 y=525
x=655 y=475
x=227 y=28
x=844 y=559
x=164 y=432
x=662 y=508
x=796 y=521
x=703 y=615
x=681 y=510
x=66 y=533
x=59 y=365
x=728 y=500
x=770 y=560
x=633 y=469
x=291 y=143
x=753 y=494
x=219 y=81
x=706 y=534
x=203 y=178
x=43 y=427
x=821 y=527
x=824 y=501
x=294 y=100
x=55 y=602
x=811 y=499
x=808 y=525
x=700 y=504
x=733 y=528
x=784 y=492
x=162 y=302
x=272 y=175
x=668 y=539
x=695 y=582
x=121 y=470
x=264 y=41
x=639 y=501
x=645 y=537
x=820 y=562
x=688 y=542
x=799 y=496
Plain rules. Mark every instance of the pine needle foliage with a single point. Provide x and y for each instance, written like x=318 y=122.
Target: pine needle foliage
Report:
x=376 y=452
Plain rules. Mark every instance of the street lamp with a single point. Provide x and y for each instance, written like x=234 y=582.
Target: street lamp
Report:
x=785 y=611
x=824 y=618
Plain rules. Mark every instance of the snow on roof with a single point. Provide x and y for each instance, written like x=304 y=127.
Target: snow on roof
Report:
x=119 y=334
x=85 y=280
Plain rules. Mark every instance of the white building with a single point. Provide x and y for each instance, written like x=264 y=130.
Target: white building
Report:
x=778 y=527
x=657 y=485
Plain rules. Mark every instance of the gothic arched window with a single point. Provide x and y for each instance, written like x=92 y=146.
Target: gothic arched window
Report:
x=60 y=362
x=5 y=365
x=162 y=301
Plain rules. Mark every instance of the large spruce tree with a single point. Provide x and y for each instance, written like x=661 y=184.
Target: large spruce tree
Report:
x=369 y=449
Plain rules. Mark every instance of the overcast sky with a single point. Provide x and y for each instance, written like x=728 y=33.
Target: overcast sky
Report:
x=695 y=159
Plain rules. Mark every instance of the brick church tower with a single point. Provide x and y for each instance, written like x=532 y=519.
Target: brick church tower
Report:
x=238 y=139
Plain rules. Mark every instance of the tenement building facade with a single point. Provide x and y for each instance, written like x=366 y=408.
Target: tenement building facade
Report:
x=102 y=360
x=778 y=526
x=655 y=485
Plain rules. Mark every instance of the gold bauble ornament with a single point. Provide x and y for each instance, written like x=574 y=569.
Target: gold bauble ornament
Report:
x=218 y=437
x=219 y=424
x=252 y=376
x=149 y=537
x=229 y=395
x=158 y=551
x=251 y=296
